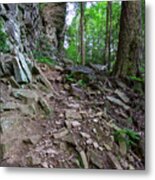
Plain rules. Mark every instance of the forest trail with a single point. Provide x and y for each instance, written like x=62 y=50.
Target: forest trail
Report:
x=63 y=124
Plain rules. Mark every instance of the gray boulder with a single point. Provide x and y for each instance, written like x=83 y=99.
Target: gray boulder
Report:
x=15 y=66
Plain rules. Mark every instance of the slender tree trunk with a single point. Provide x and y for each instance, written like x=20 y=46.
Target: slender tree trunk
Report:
x=128 y=54
x=93 y=50
x=106 y=39
x=77 y=44
x=82 y=33
x=108 y=34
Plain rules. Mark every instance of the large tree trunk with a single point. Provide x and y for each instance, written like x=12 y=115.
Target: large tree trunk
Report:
x=129 y=47
x=82 y=33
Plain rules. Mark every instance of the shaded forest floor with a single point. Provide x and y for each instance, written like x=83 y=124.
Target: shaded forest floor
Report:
x=97 y=123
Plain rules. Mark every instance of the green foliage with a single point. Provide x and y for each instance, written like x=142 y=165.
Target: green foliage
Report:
x=72 y=78
x=44 y=60
x=72 y=37
x=79 y=161
x=134 y=78
x=95 y=32
x=142 y=69
x=3 y=39
x=128 y=136
x=82 y=83
x=41 y=6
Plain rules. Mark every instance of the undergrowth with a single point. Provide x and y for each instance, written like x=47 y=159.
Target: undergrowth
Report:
x=128 y=136
x=3 y=39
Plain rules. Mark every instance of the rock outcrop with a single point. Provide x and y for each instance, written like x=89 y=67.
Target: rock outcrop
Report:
x=54 y=22
x=22 y=25
x=29 y=32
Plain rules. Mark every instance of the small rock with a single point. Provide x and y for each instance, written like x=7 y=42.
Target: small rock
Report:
x=10 y=106
x=63 y=146
x=84 y=159
x=118 y=102
x=114 y=161
x=123 y=147
x=51 y=151
x=51 y=166
x=107 y=147
x=96 y=159
x=68 y=124
x=94 y=130
x=99 y=114
x=59 y=79
x=6 y=123
x=58 y=122
x=100 y=148
x=124 y=163
x=44 y=165
x=85 y=135
x=34 y=139
x=76 y=91
x=72 y=114
x=42 y=78
x=71 y=105
x=95 y=144
x=13 y=82
x=75 y=124
x=28 y=110
x=61 y=115
x=89 y=141
x=69 y=139
x=95 y=120
x=2 y=100
x=122 y=96
x=25 y=94
x=61 y=133
x=58 y=68
x=123 y=114
x=121 y=84
x=21 y=69
x=131 y=167
x=131 y=159
x=45 y=106
x=34 y=160
x=50 y=95
x=84 y=114
x=79 y=128
x=66 y=86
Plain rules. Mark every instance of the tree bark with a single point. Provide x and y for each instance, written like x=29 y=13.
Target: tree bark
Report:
x=82 y=33
x=108 y=34
x=129 y=47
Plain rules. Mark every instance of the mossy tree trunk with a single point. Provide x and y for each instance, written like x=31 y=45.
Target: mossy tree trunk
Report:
x=129 y=47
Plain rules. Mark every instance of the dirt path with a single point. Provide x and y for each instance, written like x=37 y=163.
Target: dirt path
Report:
x=82 y=128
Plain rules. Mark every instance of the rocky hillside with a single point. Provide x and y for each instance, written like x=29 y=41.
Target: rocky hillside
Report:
x=54 y=122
